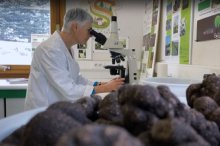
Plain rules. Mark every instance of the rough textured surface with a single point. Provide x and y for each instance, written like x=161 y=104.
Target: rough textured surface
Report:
x=210 y=87
x=98 y=135
x=83 y=110
x=174 y=132
x=136 y=120
x=47 y=127
x=192 y=93
x=205 y=97
x=207 y=129
x=110 y=110
x=205 y=105
x=215 y=116
x=15 y=137
x=73 y=110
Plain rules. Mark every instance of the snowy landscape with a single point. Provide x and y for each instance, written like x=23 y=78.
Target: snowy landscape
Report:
x=18 y=20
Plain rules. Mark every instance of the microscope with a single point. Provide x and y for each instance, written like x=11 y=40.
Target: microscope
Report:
x=118 y=54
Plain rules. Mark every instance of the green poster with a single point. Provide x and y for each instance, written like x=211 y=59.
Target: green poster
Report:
x=204 y=5
x=178 y=29
x=185 y=32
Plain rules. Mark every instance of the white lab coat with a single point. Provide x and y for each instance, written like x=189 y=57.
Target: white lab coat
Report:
x=55 y=75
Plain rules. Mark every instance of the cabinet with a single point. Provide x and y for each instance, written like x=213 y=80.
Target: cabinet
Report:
x=12 y=97
x=14 y=106
x=1 y=108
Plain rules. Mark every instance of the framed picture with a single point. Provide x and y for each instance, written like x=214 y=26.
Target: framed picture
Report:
x=83 y=51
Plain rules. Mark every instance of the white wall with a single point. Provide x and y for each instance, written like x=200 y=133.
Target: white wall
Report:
x=130 y=21
x=206 y=53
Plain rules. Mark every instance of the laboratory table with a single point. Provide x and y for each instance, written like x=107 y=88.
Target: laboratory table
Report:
x=9 y=90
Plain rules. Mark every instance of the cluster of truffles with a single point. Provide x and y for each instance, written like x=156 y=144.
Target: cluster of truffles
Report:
x=135 y=115
x=205 y=97
x=157 y=117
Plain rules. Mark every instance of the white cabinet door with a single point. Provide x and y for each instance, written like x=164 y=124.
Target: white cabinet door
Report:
x=14 y=106
x=1 y=108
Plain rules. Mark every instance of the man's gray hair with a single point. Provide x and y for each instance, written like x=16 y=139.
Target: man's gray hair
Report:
x=76 y=14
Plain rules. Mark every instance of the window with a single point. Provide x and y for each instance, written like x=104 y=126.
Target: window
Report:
x=20 y=19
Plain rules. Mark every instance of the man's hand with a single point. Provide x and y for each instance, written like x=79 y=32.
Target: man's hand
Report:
x=115 y=83
x=109 y=86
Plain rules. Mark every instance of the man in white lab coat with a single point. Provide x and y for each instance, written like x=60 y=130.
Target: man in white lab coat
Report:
x=55 y=74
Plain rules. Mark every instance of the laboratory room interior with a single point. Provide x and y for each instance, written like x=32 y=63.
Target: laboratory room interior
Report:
x=110 y=73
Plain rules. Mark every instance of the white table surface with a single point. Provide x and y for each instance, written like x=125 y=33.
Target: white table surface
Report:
x=4 y=84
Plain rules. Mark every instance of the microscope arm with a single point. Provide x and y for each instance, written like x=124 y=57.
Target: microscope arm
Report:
x=131 y=62
x=114 y=45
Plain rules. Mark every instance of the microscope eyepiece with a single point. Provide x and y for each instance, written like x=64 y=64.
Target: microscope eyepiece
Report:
x=99 y=37
x=114 y=18
x=122 y=58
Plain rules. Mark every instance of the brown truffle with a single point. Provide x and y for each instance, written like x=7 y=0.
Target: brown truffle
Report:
x=137 y=120
x=173 y=132
x=145 y=97
x=207 y=129
x=110 y=110
x=205 y=105
x=192 y=93
x=98 y=135
x=15 y=137
x=73 y=110
x=215 y=116
x=47 y=127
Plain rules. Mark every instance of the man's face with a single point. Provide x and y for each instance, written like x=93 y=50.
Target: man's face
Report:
x=82 y=33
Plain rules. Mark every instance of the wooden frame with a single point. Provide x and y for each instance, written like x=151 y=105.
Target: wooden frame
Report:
x=58 y=9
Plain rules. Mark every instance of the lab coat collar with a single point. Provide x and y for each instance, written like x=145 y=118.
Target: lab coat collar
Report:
x=63 y=45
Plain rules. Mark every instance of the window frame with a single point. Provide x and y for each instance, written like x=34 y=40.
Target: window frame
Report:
x=57 y=11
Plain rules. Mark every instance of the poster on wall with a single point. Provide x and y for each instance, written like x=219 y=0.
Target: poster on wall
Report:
x=178 y=30
x=36 y=39
x=83 y=51
x=101 y=10
x=150 y=37
x=208 y=20
x=206 y=8
x=208 y=28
